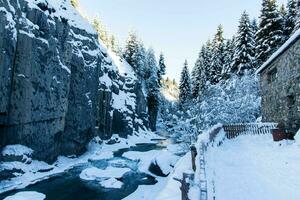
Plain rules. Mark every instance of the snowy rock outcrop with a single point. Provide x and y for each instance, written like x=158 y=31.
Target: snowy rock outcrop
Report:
x=59 y=87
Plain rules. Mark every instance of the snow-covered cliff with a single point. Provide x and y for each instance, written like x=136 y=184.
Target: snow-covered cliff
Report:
x=59 y=87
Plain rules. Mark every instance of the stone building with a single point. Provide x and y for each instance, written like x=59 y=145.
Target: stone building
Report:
x=280 y=85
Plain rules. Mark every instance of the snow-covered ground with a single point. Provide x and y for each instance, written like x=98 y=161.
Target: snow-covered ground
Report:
x=254 y=167
x=148 y=192
x=171 y=190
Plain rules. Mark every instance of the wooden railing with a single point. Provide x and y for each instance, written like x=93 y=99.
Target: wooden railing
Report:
x=231 y=131
x=234 y=130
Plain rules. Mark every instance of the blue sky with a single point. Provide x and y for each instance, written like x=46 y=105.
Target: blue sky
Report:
x=177 y=28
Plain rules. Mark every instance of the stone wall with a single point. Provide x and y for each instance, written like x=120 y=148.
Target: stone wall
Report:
x=57 y=82
x=281 y=91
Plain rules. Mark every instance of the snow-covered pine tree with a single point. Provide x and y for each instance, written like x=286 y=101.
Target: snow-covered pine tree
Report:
x=153 y=99
x=229 y=54
x=174 y=82
x=244 y=50
x=101 y=30
x=161 y=67
x=113 y=45
x=207 y=62
x=150 y=64
x=290 y=18
x=184 y=86
x=254 y=26
x=74 y=3
x=270 y=34
x=196 y=75
x=282 y=11
x=132 y=51
x=141 y=61
x=153 y=85
x=218 y=55
x=297 y=26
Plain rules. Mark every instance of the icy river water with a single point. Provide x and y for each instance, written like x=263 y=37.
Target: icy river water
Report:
x=69 y=186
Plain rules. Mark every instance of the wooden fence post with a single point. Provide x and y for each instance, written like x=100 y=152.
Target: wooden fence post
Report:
x=187 y=179
x=193 y=154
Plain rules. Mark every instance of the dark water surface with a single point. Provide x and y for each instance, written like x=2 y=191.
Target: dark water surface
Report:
x=69 y=186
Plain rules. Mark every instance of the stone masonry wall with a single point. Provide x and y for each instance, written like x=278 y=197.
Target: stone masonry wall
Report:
x=281 y=95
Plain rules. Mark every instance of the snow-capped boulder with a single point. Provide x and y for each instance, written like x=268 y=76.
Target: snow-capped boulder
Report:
x=163 y=164
x=16 y=152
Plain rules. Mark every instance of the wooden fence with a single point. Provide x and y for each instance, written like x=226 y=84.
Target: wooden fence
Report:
x=234 y=130
x=231 y=131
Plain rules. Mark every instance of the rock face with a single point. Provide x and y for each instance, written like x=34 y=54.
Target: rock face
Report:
x=58 y=86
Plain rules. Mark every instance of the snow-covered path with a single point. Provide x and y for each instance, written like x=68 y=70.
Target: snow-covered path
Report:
x=254 y=167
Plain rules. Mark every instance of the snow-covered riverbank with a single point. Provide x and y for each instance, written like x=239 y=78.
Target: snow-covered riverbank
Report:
x=122 y=166
x=36 y=171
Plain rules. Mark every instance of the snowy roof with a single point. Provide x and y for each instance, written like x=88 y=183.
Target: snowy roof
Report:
x=281 y=50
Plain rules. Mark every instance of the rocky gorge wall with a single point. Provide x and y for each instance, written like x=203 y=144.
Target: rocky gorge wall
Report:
x=59 y=87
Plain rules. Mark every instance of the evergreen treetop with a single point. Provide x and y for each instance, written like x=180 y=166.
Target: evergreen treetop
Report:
x=185 y=85
x=270 y=33
x=161 y=66
x=297 y=26
x=291 y=18
x=244 y=47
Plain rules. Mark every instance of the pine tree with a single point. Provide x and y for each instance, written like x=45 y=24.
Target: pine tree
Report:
x=297 y=26
x=74 y=3
x=153 y=85
x=150 y=65
x=132 y=51
x=218 y=54
x=229 y=55
x=282 y=11
x=207 y=62
x=270 y=33
x=141 y=58
x=161 y=66
x=196 y=75
x=101 y=30
x=254 y=26
x=244 y=50
x=184 y=86
x=113 y=45
x=290 y=19
x=153 y=99
x=201 y=71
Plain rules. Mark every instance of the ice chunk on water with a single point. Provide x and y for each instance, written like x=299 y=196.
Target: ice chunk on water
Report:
x=94 y=173
x=111 y=183
x=26 y=196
